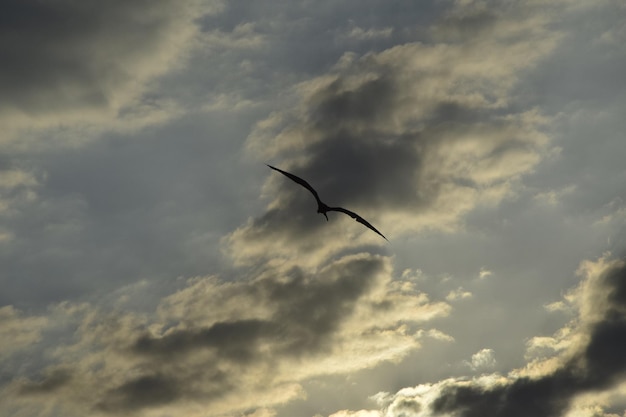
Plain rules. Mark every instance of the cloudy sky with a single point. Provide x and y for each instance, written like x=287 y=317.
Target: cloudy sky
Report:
x=152 y=265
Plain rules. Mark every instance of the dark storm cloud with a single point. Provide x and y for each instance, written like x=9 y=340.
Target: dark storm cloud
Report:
x=600 y=364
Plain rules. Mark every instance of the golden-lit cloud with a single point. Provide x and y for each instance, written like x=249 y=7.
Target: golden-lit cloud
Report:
x=433 y=129
x=78 y=67
x=412 y=137
x=18 y=331
x=215 y=342
x=583 y=363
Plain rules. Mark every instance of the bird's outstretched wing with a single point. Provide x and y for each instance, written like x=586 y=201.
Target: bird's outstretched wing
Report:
x=299 y=181
x=357 y=218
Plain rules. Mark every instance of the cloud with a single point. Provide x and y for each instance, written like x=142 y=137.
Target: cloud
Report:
x=18 y=331
x=215 y=340
x=482 y=360
x=484 y=273
x=458 y=294
x=83 y=64
x=360 y=413
x=412 y=138
x=53 y=380
x=588 y=359
x=18 y=187
x=15 y=178
x=360 y=34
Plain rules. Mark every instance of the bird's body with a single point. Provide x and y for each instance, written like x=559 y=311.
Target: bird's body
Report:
x=322 y=207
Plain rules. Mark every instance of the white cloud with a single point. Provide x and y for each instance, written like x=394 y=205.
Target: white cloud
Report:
x=484 y=273
x=483 y=360
x=458 y=294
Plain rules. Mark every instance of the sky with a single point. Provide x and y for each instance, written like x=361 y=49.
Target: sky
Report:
x=152 y=265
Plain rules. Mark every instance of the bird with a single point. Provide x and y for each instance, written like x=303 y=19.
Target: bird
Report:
x=322 y=207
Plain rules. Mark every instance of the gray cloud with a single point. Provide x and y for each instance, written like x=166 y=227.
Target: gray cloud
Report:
x=119 y=211
x=308 y=310
x=147 y=390
x=216 y=340
x=599 y=365
x=376 y=135
x=307 y=38
x=72 y=54
x=235 y=340
x=86 y=62
x=412 y=135
x=51 y=383
x=18 y=330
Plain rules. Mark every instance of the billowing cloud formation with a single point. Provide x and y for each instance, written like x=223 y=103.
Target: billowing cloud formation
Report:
x=411 y=138
x=590 y=359
x=214 y=341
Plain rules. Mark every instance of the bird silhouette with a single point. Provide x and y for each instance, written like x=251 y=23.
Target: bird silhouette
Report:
x=322 y=207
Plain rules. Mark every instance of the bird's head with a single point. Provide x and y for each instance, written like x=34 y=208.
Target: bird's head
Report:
x=320 y=210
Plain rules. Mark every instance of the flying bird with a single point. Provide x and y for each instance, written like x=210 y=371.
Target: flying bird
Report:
x=321 y=206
